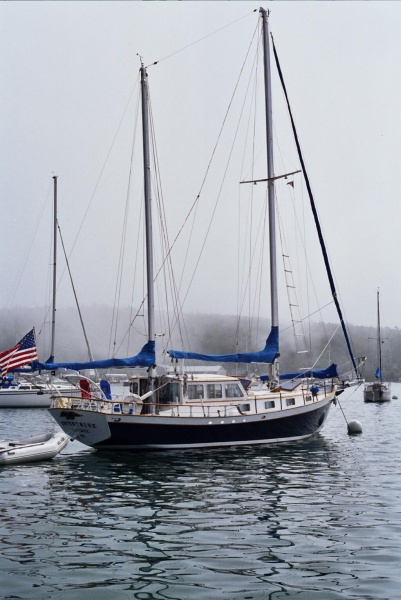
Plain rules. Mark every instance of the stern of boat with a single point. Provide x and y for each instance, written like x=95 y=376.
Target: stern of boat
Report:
x=85 y=426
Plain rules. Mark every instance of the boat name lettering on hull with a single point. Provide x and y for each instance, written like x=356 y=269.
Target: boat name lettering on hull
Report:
x=79 y=424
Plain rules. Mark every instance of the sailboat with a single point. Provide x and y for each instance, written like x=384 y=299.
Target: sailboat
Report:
x=379 y=390
x=25 y=389
x=178 y=409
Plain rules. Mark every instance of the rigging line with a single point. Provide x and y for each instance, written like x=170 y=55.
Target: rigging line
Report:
x=298 y=230
x=75 y=296
x=201 y=39
x=138 y=312
x=310 y=315
x=345 y=374
x=253 y=163
x=117 y=293
x=314 y=211
x=257 y=307
x=138 y=236
x=103 y=167
x=326 y=346
x=246 y=276
x=249 y=222
x=261 y=271
x=261 y=228
x=132 y=319
x=17 y=282
x=297 y=323
x=211 y=218
x=300 y=234
x=48 y=284
x=126 y=336
x=195 y=203
x=302 y=237
x=168 y=274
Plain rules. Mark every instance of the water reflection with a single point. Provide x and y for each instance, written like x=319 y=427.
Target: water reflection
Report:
x=278 y=522
x=192 y=515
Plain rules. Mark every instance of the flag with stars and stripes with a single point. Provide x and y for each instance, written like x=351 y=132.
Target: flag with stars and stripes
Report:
x=20 y=355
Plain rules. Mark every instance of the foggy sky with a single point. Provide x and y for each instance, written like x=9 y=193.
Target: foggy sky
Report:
x=68 y=70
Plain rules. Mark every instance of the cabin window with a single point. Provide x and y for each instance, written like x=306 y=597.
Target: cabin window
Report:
x=171 y=394
x=139 y=386
x=233 y=390
x=244 y=408
x=195 y=391
x=270 y=404
x=308 y=398
x=290 y=401
x=214 y=390
x=133 y=388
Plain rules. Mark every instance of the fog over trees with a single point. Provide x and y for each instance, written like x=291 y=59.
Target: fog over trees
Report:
x=205 y=333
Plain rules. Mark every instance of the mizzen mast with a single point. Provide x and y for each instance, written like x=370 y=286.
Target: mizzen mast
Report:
x=148 y=202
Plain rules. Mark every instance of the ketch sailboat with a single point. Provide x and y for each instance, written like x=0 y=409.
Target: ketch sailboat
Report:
x=379 y=390
x=179 y=409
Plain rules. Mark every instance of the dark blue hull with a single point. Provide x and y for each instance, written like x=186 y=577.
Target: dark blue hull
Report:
x=148 y=435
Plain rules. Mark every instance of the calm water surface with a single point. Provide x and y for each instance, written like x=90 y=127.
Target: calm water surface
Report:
x=319 y=519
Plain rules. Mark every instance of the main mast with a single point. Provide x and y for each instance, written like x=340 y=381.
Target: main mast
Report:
x=53 y=335
x=270 y=171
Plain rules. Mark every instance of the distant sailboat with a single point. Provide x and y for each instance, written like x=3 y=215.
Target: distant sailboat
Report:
x=179 y=409
x=25 y=390
x=378 y=391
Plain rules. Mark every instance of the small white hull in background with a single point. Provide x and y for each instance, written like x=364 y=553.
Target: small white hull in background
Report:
x=377 y=392
x=33 y=448
x=24 y=398
x=26 y=394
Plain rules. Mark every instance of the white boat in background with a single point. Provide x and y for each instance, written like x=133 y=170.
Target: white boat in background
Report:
x=32 y=392
x=21 y=393
x=379 y=390
x=180 y=409
x=33 y=448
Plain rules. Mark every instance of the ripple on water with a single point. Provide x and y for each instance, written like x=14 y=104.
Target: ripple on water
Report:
x=318 y=519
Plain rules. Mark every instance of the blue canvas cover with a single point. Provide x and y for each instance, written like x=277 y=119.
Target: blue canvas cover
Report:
x=267 y=355
x=106 y=389
x=327 y=373
x=145 y=358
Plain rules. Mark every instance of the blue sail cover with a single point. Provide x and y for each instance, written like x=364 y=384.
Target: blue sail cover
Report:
x=146 y=358
x=267 y=355
x=327 y=373
x=378 y=373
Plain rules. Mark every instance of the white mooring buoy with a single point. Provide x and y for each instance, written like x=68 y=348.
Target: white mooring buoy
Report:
x=354 y=427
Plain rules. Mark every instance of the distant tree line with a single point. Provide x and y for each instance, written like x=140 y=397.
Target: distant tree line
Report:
x=206 y=333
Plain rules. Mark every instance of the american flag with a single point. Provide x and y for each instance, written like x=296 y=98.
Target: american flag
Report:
x=20 y=355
